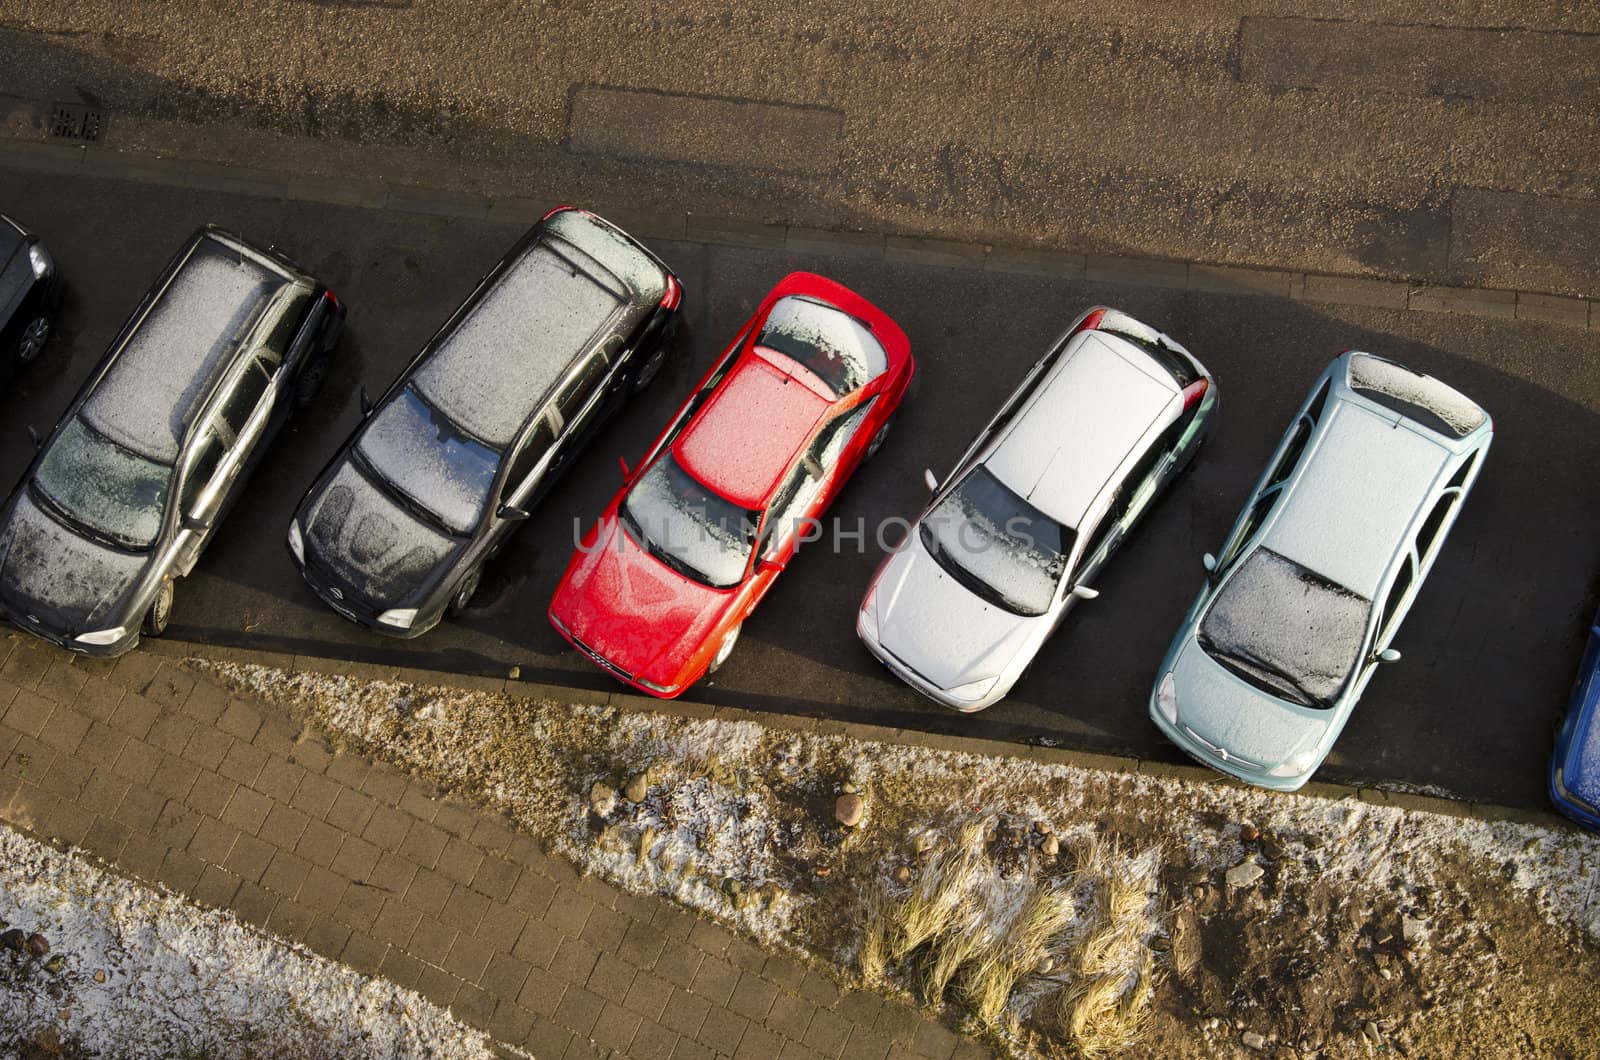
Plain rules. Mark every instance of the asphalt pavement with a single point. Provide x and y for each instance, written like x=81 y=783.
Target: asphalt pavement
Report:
x=1490 y=648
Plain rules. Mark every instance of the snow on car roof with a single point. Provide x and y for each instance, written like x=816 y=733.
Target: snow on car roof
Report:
x=1356 y=498
x=606 y=244
x=745 y=438
x=1081 y=426
x=1423 y=398
x=494 y=369
x=156 y=384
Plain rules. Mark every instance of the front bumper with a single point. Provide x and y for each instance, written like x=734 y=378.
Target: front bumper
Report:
x=331 y=593
x=610 y=667
x=918 y=683
x=1203 y=753
x=1570 y=805
x=129 y=641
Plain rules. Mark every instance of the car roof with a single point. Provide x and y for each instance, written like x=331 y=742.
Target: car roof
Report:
x=745 y=438
x=169 y=365
x=1086 y=419
x=1354 y=499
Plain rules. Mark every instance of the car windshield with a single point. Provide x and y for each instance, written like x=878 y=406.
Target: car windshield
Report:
x=1286 y=629
x=833 y=345
x=997 y=544
x=688 y=527
x=434 y=463
x=111 y=492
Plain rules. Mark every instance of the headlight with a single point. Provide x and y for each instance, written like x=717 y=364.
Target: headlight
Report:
x=40 y=259
x=1167 y=698
x=665 y=690
x=1296 y=766
x=867 y=619
x=297 y=544
x=973 y=691
x=103 y=636
x=399 y=617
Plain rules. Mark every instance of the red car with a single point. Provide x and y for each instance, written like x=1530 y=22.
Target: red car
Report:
x=657 y=591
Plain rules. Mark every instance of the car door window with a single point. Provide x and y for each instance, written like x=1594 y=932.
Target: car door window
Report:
x=1391 y=606
x=527 y=458
x=246 y=395
x=1291 y=455
x=1252 y=523
x=208 y=453
x=1428 y=533
x=573 y=397
x=787 y=508
x=291 y=315
x=832 y=440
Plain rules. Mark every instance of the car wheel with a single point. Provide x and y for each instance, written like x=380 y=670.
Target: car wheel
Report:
x=464 y=594
x=33 y=340
x=160 y=613
x=724 y=650
x=651 y=368
x=309 y=382
x=877 y=439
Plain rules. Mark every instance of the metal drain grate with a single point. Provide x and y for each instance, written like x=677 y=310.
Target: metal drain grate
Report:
x=74 y=121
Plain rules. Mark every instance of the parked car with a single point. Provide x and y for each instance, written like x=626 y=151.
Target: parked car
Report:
x=1319 y=570
x=1575 y=766
x=29 y=293
x=1049 y=489
x=657 y=591
x=136 y=477
x=394 y=532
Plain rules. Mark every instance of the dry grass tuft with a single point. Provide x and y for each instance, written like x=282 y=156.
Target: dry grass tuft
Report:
x=1106 y=1008
x=874 y=955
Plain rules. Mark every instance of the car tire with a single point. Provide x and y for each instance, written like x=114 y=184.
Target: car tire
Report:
x=308 y=383
x=465 y=591
x=877 y=439
x=160 y=613
x=724 y=649
x=658 y=357
x=34 y=339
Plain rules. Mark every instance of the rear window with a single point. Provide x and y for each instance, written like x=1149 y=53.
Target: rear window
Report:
x=834 y=346
x=1416 y=396
x=1177 y=365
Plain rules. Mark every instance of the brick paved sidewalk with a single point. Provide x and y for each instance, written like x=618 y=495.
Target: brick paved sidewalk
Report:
x=172 y=779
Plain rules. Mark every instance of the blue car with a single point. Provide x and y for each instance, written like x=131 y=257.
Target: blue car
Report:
x=1575 y=767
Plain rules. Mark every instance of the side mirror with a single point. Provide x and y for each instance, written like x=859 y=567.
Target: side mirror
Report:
x=1388 y=655
x=930 y=480
x=1209 y=562
x=622 y=463
x=366 y=402
x=1083 y=592
x=510 y=512
x=34 y=436
x=196 y=524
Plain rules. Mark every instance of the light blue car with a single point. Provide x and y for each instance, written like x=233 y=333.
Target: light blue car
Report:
x=1319 y=571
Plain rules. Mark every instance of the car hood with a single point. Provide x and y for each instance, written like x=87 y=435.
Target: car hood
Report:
x=53 y=574
x=633 y=610
x=1233 y=715
x=383 y=556
x=940 y=628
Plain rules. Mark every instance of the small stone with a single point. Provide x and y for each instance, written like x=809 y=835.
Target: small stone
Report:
x=902 y=874
x=1249 y=832
x=602 y=798
x=48 y=1039
x=1414 y=930
x=1371 y=1030
x=13 y=939
x=848 y=788
x=849 y=808
x=99 y=975
x=37 y=945
x=1045 y=966
x=923 y=842
x=1271 y=848
x=1042 y=827
x=1244 y=874
x=636 y=788
x=56 y=963
x=822 y=872
x=1050 y=846
x=515 y=673
x=732 y=886
x=1530 y=847
x=1252 y=1040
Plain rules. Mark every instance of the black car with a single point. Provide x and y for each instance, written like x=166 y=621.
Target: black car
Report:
x=28 y=295
x=135 y=478
x=394 y=532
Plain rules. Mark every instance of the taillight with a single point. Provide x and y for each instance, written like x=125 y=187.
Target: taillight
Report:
x=674 y=293
x=1193 y=393
x=330 y=296
x=1092 y=321
x=553 y=211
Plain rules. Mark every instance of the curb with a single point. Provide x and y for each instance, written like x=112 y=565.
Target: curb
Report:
x=684 y=708
x=378 y=193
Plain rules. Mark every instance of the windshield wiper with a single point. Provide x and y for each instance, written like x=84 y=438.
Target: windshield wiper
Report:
x=1260 y=674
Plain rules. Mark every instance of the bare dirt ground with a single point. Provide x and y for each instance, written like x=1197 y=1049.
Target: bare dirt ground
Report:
x=1395 y=138
x=1047 y=909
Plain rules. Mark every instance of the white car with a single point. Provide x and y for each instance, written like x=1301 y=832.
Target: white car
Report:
x=1039 y=502
x=1319 y=571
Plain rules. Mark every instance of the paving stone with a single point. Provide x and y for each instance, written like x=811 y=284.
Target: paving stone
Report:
x=401 y=968
x=548 y=1039
x=65 y=729
x=715 y=981
x=867 y=1044
x=455 y=818
x=617 y=1027
x=533 y=893
x=174 y=778
x=897 y=1022
x=648 y=995
x=679 y=962
x=641 y=945
x=312 y=753
x=247 y=810
x=710 y=938
x=611 y=977
x=135 y=714
x=579 y=1010
x=538 y=944
x=240 y=720
x=746 y=954
x=753 y=997
x=141 y=856
x=394 y=875
x=106 y=837
x=685 y=1012
x=424 y=843
x=319 y=843
x=278 y=779
x=242 y=763
x=253 y=903
x=359 y=907
x=364 y=954
x=431 y=941
x=419 y=802
x=249 y=858
x=933 y=1040
x=211 y=792
x=29 y=714
x=460 y=860
x=605 y=929
x=171 y=733
x=496 y=878
x=429 y=891
x=758 y=1043
x=467 y=958
x=102 y=744
x=356 y=859
x=474 y=1004
x=574 y=960
x=283 y=826
x=328 y=937
x=396 y=923
x=315 y=795
x=169 y=687
x=568 y=911
x=387 y=828
x=207 y=747
x=291 y=919
x=350 y=811
x=140 y=808
x=98 y=698
x=827 y=1032
x=322 y=890
x=504 y=975
x=216 y=887
x=541 y=992
x=793 y=1050
x=785 y=971
x=138 y=761
x=493 y=836
x=464 y=911
x=652 y=1041
x=384 y=784
x=212 y=840
x=790 y=1016
x=285 y=873
x=176 y=824
x=206 y=704
x=438 y=985
x=67 y=777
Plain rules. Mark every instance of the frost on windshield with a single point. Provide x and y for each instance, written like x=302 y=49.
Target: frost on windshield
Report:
x=106 y=488
x=371 y=542
x=57 y=575
x=422 y=453
x=644 y=277
x=688 y=527
x=1279 y=625
x=1420 y=397
x=492 y=372
x=146 y=400
x=830 y=343
x=997 y=544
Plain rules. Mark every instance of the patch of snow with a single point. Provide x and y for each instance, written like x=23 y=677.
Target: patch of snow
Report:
x=65 y=578
x=832 y=345
x=376 y=546
x=1454 y=410
x=644 y=278
x=183 y=981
